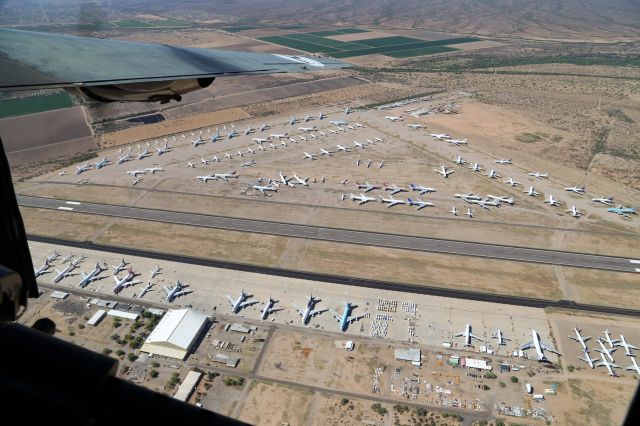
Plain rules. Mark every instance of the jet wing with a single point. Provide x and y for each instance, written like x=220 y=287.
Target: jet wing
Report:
x=548 y=348
x=182 y=293
x=352 y=319
x=476 y=337
x=335 y=315
x=526 y=346
x=39 y=60
x=248 y=303
x=319 y=311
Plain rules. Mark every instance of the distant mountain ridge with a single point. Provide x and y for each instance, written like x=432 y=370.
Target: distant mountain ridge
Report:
x=557 y=19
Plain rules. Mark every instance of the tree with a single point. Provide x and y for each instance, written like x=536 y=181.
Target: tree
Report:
x=153 y=374
x=421 y=411
x=106 y=351
x=132 y=357
x=155 y=364
x=503 y=385
x=514 y=379
x=490 y=375
x=344 y=401
x=120 y=352
x=570 y=368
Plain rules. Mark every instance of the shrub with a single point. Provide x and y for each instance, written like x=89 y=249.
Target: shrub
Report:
x=153 y=374
x=132 y=357
x=344 y=401
x=120 y=352
x=514 y=379
x=106 y=351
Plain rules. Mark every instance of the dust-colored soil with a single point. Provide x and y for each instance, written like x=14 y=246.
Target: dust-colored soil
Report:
x=272 y=404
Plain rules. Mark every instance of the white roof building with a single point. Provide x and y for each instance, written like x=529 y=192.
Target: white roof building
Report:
x=96 y=318
x=188 y=385
x=412 y=355
x=176 y=333
x=480 y=364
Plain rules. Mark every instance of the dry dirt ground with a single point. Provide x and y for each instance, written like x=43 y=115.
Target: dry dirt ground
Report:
x=273 y=404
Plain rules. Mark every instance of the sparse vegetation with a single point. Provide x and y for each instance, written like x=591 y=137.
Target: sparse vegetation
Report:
x=490 y=375
x=570 y=368
x=344 y=401
x=379 y=409
x=153 y=374
x=106 y=351
x=514 y=379
x=173 y=381
x=503 y=385
x=234 y=381
x=132 y=357
x=120 y=352
x=528 y=138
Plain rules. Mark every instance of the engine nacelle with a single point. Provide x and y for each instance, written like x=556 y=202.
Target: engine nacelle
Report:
x=153 y=91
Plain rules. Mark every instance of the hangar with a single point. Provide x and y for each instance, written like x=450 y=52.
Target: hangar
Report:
x=176 y=333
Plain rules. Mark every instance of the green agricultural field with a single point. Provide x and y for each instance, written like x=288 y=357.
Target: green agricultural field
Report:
x=421 y=51
x=395 y=46
x=299 y=45
x=131 y=23
x=31 y=105
x=169 y=23
x=339 y=32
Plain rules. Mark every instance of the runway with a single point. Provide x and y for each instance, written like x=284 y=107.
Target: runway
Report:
x=344 y=280
x=404 y=242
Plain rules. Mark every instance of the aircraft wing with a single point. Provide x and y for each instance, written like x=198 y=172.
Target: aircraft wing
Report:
x=526 y=346
x=459 y=334
x=248 y=303
x=335 y=314
x=319 y=311
x=548 y=348
x=352 y=319
x=231 y=302
x=476 y=337
x=40 y=60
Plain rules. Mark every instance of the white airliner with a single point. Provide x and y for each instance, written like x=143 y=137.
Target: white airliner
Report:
x=124 y=158
x=552 y=201
x=419 y=203
x=347 y=110
x=154 y=169
x=83 y=168
x=604 y=350
x=241 y=302
x=627 y=347
x=511 y=182
x=476 y=167
x=264 y=127
x=163 y=150
x=394 y=188
x=190 y=164
x=175 y=291
x=415 y=126
x=539 y=346
x=454 y=211
x=279 y=136
x=155 y=272
x=206 y=178
x=366 y=186
x=120 y=267
x=421 y=188
x=441 y=135
x=282 y=178
x=309 y=312
x=145 y=290
x=249 y=163
x=143 y=154
x=91 y=276
x=504 y=199
x=362 y=199
x=225 y=176
x=325 y=152
x=124 y=282
x=610 y=365
x=468 y=335
x=531 y=192
x=321 y=116
x=444 y=171
x=459 y=160
x=301 y=181
x=260 y=141
x=577 y=189
x=269 y=309
x=493 y=174
x=468 y=196
x=604 y=200
x=342 y=148
x=358 y=144
x=338 y=122
x=539 y=175
x=393 y=118
x=265 y=188
x=499 y=335
x=307 y=129
x=503 y=161
x=198 y=141
x=484 y=203
x=248 y=131
x=391 y=201
x=607 y=338
x=308 y=156
x=135 y=173
x=470 y=212
x=346 y=319
x=634 y=366
x=574 y=211
x=43 y=269
x=66 y=272
x=579 y=338
x=586 y=358
x=457 y=142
